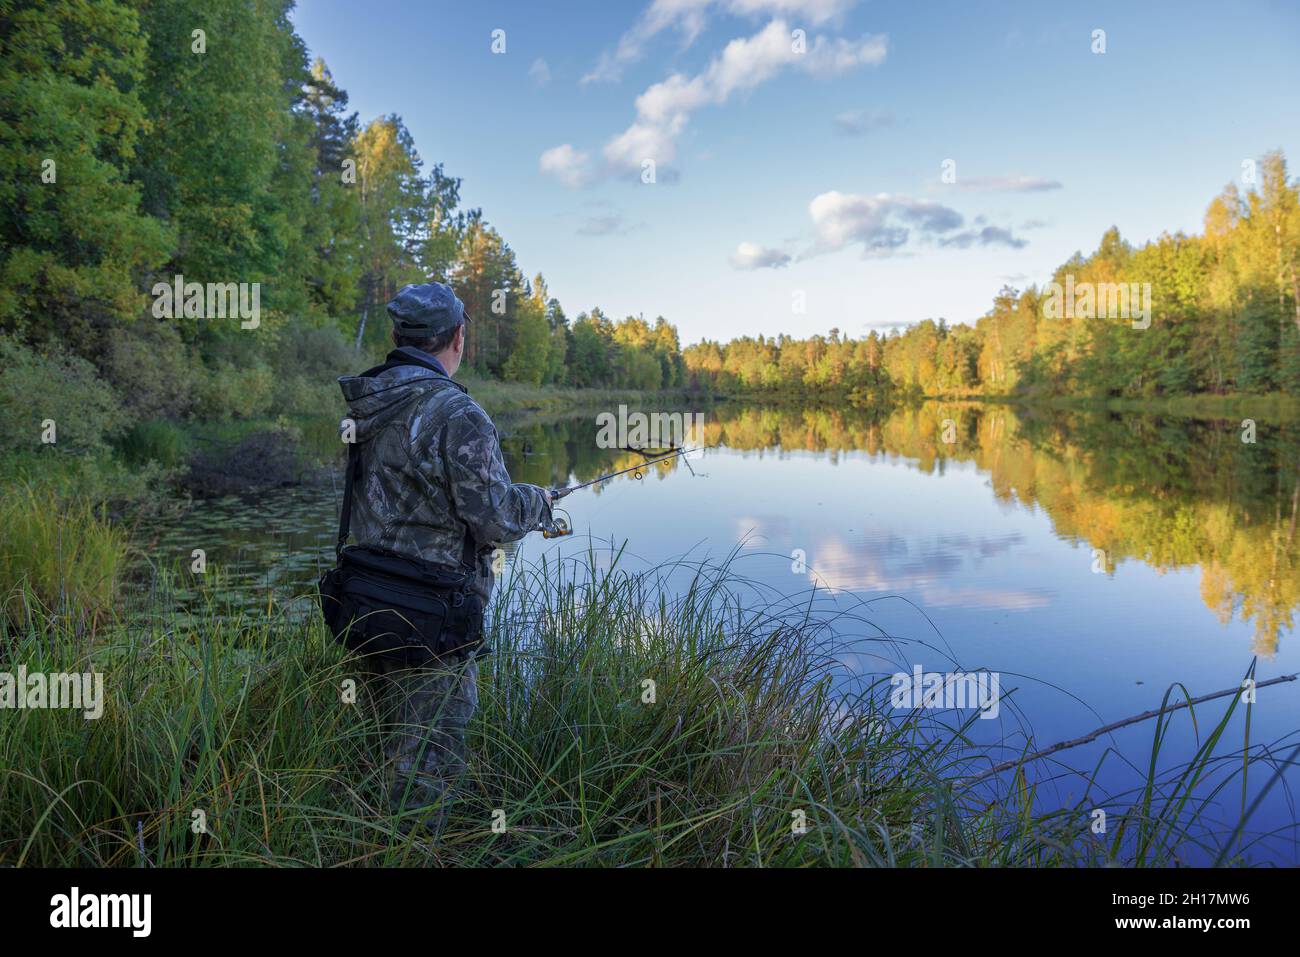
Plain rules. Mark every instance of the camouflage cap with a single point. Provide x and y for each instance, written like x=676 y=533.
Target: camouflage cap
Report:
x=426 y=309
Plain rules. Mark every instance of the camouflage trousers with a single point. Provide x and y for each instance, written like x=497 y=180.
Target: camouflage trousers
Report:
x=424 y=712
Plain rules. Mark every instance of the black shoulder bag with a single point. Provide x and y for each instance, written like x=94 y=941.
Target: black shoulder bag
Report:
x=410 y=611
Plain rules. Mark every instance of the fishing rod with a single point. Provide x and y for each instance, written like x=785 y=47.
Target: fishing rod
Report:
x=558 y=527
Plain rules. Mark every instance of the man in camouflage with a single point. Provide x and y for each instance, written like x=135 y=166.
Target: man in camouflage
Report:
x=432 y=474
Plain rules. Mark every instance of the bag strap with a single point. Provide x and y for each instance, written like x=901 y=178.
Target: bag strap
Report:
x=345 y=516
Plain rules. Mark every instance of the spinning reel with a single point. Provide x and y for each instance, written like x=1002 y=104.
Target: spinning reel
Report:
x=559 y=525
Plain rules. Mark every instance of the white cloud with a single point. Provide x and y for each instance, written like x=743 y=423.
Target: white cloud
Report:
x=882 y=225
x=665 y=108
x=879 y=223
x=571 y=167
x=690 y=17
x=988 y=236
x=991 y=599
x=610 y=223
x=857 y=122
x=1015 y=183
x=754 y=256
x=829 y=56
x=539 y=72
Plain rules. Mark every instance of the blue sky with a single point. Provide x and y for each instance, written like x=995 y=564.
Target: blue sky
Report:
x=815 y=174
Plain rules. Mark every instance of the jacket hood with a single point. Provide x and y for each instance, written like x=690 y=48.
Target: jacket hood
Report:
x=375 y=400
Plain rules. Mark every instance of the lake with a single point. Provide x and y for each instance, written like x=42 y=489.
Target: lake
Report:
x=1089 y=559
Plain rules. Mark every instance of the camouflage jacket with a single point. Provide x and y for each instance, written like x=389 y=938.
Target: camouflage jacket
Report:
x=431 y=468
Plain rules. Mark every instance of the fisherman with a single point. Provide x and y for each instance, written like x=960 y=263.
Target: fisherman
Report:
x=432 y=486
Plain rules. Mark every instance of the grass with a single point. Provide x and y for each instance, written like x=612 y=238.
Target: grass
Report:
x=156 y=440
x=241 y=721
x=59 y=558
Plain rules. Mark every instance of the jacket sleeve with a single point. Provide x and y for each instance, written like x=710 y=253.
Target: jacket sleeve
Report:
x=495 y=509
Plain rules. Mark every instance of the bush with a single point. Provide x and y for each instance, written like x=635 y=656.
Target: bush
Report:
x=323 y=353
x=298 y=395
x=227 y=391
x=151 y=368
x=60 y=388
x=93 y=479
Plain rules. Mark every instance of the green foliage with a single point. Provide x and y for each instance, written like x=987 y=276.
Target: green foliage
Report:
x=57 y=557
x=332 y=230
x=527 y=361
x=744 y=728
x=1224 y=311
x=154 y=441
x=314 y=352
x=54 y=391
x=255 y=173
x=225 y=115
x=1257 y=343
x=225 y=391
x=306 y=395
x=72 y=235
x=151 y=369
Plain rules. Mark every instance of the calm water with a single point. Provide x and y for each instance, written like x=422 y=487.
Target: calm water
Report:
x=1091 y=560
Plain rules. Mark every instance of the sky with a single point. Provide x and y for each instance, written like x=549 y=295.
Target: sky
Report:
x=820 y=164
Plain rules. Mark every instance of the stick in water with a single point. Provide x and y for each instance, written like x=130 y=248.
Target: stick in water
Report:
x=1093 y=736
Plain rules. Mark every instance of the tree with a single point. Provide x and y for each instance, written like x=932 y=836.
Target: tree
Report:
x=528 y=357
x=73 y=239
x=488 y=279
x=332 y=230
x=392 y=202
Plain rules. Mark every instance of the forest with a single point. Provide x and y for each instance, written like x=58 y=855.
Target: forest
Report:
x=1224 y=320
x=219 y=154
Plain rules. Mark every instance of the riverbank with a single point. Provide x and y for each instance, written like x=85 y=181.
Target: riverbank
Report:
x=1274 y=408
x=148 y=462
x=514 y=398
x=619 y=723
x=227 y=695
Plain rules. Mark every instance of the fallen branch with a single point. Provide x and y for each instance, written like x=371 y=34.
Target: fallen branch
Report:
x=1094 y=735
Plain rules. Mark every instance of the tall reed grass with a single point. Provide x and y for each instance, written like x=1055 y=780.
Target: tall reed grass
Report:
x=623 y=720
x=58 y=556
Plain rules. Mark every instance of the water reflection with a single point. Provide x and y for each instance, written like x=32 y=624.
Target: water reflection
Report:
x=1172 y=494
x=1093 y=559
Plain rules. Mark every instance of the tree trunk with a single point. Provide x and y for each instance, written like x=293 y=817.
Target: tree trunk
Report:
x=365 y=313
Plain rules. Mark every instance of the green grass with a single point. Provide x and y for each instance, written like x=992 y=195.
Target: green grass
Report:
x=241 y=717
x=155 y=441
x=58 y=558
